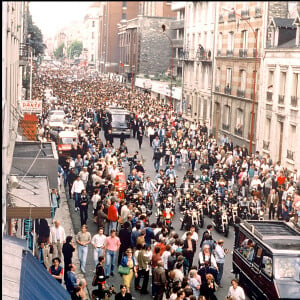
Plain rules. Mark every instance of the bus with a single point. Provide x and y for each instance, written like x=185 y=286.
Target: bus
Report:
x=119 y=120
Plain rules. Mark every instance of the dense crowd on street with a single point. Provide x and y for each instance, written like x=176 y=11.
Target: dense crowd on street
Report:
x=126 y=242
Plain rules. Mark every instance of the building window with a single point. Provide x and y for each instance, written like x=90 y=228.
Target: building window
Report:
x=295 y=97
x=93 y=23
x=267 y=131
x=92 y=57
x=228 y=77
x=124 y=4
x=230 y=41
x=244 y=39
x=291 y=142
x=218 y=77
x=93 y=35
x=226 y=118
x=123 y=16
x=282 y=87
x=239 y=124
x=242 y=88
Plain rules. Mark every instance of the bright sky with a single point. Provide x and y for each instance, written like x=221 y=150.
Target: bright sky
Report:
x=51 y=16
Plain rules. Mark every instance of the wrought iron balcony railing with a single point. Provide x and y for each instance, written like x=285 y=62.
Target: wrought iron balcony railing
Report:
x=227 y=90
x=280 y=99
x=225 y=127
x=240 y=93
x=290 y=154
x=245 y=13
x=243 y=52
x=229 y=52
x=269 y=96
x=294 y=101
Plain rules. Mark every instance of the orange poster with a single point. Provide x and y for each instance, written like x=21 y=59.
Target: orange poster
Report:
x=29 y=126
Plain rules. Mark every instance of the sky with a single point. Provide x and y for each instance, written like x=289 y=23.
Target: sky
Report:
x=51 y=16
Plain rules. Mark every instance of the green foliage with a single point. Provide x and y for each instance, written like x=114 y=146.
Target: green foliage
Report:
x=59 y=51
x=74 y=49
x=35 y=37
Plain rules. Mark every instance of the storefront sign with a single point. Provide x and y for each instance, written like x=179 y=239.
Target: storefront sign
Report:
x=29 y=126
x=31 y=106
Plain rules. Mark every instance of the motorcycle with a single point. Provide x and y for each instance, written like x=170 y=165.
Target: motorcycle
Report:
x=220 y=222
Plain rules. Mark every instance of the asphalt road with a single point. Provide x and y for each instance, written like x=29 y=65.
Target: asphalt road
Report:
x=147 y=154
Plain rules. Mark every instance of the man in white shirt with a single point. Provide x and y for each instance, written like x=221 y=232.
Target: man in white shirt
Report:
x=98 y=242
x=76 y=190
x=235 y=291
x=149 y=186
x=194 y=234
x=57 y=238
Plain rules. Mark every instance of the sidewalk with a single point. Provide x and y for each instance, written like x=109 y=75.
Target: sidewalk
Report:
x=63 y=215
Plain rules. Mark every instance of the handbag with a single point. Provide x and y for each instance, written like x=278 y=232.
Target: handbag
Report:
x=51 y=249
x=94 y=282
x=123 y=270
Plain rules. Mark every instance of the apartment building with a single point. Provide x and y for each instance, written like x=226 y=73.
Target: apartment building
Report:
x=279 y=116
x=238 y=50
x=157 y=9
x=198 y=54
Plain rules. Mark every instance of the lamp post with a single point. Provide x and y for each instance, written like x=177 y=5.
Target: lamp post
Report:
x=254 y=74
x=171 y=43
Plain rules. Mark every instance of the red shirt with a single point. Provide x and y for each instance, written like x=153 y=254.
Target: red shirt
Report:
x=281 y=180
x=112 y=213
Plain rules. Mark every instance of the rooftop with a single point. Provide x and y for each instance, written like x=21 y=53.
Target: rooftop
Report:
x=32 y=149
x=284 y=23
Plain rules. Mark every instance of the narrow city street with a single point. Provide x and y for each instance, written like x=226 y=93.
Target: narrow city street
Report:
x=147 y=154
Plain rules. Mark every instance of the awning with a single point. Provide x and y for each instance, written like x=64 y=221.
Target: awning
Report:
x=29 y=197
x=23 y=277
x=37 y=283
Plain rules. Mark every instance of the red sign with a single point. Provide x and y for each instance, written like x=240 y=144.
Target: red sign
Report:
x=29 y=126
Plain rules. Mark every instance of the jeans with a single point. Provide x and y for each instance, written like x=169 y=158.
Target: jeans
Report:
x=145 y=274
x=83 y=214
x=156 y=165
x=112 y=225
x=53 y=211
x=110 y=262
x=82 y=255
x=220 y=273
x=66 y=173
x=77 y=197
x=97 y=252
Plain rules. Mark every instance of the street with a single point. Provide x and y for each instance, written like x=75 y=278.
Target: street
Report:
x=147 y=153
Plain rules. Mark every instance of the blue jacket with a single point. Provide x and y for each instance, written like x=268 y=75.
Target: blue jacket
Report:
x=71 y=281
x=124 y=261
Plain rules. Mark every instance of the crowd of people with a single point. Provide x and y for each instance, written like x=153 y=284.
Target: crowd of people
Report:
x=126 y=237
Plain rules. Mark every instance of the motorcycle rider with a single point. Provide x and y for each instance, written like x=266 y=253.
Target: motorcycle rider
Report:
x=149 y=187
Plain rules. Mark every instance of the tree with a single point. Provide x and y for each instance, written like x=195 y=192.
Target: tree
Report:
x=74 y=49
x=59 y=51
x=35 y=37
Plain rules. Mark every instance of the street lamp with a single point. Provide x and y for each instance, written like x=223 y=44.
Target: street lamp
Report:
x=164 y=28
x=254 y=74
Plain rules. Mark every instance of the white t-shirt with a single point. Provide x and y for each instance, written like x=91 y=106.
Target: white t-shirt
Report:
x=237 y=294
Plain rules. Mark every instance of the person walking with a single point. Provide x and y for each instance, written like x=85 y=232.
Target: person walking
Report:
x=160 y=280
x=220 y=254
x=55 y=198
x=43 y=255
x=100 y=273
x=112 y=215
x=143 y=269
x=272 y=203
x=98 y=242
x=57 y=238
x=76 y=190
x=112 y=245
x=190 y=247
x=71 y=279
x=83 y=238
x=140 y=136
x=67 y=250
x=129 y=261
x=235 y=291
x=125 y=240
x=83 y=206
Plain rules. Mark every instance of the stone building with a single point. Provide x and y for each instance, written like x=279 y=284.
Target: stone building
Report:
x=198 y=48
x=279 y=116
x=238 y=50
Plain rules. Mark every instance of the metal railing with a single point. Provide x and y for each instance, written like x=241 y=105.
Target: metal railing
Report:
x=231 y=17
x=243 y=52
x=266 y=145
x=269 y=96
x=203 y=55
x=225 y=127
x=294 y=101
x=245 y=13
x=240 y=93
x=217 y=88
x=257 y=11
x=229 y=52
x=290 y=154
x=227 y=90
x=24 y=52
x=238 y=131
x=280 y=99
x=221 y=19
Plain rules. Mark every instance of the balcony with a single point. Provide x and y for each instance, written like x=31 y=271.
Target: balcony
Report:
x=245 y=13
x=221 y=19
x=243 y=52
x=257 y=12
x=184 y=55
x=225 y=127
x=23 y=54
x=294 y=101
x=238 y=131
x=203 y=55
x=219 y=52
x=290 y=154
x=231 y=17
x=255 y=53
x=229 y=52
x=178 y=24
x=177 y=43
x=227 y=90
x=266 y=145
x=240 y=93
x=269 y=96
x=217 y=88
x=281 y=99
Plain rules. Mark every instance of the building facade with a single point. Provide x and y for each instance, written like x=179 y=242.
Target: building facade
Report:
x=157 y=9
x=14 y=56
x=198 y=57
x=237 y=73
x=279 y=117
